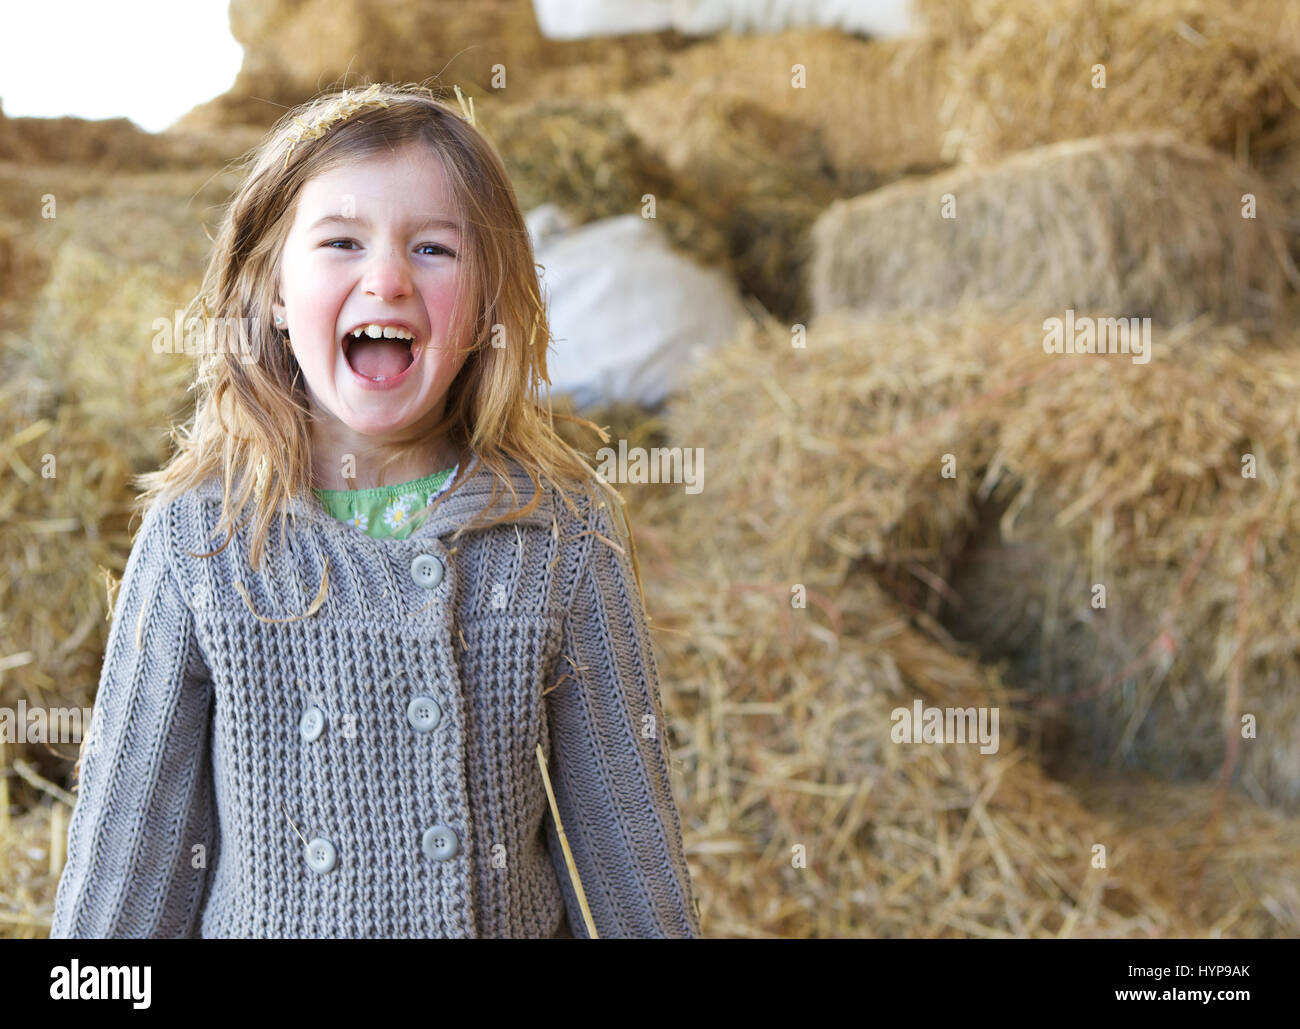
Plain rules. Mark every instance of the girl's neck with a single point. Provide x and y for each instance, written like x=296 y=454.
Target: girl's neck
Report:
x=327 y=467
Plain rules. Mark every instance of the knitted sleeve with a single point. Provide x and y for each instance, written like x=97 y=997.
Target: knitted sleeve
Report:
x=609 y=760
x=145 y=812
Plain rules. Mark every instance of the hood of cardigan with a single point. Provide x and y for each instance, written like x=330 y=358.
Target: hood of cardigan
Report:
x=452 y=512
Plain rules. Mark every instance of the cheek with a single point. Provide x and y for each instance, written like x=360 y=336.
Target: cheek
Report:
x=440 y=301
x=442 y=296
x=445 y=363
x=448 y=362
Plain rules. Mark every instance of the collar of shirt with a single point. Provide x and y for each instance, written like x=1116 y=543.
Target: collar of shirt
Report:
x=386 y=512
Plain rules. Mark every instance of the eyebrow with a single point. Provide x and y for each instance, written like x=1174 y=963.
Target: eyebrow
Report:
x=419 y=222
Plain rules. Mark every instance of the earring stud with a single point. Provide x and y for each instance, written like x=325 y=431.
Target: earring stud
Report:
x=278 y=319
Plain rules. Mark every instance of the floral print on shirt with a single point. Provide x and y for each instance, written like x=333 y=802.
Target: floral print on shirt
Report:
x=386 y=512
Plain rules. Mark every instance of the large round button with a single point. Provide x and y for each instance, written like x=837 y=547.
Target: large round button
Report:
x=312 y=723
x=321 y=855
x=427 y=570
x=423 y=713
x=440 y=843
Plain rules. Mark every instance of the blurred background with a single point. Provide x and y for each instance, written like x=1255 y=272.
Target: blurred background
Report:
x=863 y=214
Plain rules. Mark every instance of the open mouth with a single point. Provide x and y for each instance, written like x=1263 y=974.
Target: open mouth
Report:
x=379 y=360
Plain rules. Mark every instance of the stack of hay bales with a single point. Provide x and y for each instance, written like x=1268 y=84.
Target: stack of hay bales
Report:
x=1025 y=73
x=1111 y=472
x=743 y=140
x=767 y=130
x=1133 y=224
x=296 y=48
x=784 y=733
x=1173 y=486
x=874 y=105
x=1221 y=73
x=1097 y=472
x=869 y=461
x=875 y=449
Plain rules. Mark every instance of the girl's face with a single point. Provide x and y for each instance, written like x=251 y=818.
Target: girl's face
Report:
x=373 y=242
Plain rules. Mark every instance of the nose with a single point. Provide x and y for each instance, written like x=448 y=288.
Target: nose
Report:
x=387 y=275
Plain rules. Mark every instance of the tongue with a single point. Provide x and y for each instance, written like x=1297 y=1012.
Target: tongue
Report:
x=376 y=358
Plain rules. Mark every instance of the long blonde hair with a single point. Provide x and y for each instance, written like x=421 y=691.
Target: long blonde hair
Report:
x=251 y=422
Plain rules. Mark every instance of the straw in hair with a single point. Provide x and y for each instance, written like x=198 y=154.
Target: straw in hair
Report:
x=344 y=107
x=348 y=104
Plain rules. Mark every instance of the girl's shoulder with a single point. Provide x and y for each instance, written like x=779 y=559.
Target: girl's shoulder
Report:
x=157 y=531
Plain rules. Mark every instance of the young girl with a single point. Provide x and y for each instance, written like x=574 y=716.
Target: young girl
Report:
x=342 y=738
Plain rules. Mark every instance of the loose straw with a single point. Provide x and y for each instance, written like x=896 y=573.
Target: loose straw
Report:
x=315 y=604
x=467 y=107
x=568 y=854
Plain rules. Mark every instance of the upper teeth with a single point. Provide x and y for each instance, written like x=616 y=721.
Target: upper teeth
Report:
x=383 y=331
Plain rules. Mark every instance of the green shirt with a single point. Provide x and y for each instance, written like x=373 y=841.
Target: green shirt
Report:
x=385 y=512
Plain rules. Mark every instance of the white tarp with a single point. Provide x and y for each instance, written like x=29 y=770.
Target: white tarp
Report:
x=628 y=314
x=580 y=19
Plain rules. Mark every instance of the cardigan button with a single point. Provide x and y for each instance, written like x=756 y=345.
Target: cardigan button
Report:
x=440 y=843
x=312 y=724
x=423 y=713
x=321 y=855
x=427 y=571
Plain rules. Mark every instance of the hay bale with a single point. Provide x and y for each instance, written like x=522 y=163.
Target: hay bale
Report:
x=762 y=179
x=1280 y=167
x=114 y=145
x=109 y=144
x=1138 y=226
x=616 y=65
x=1022 y=71
x=874 y=104
x=1151 y=681
x=825 y=473
x=580 y=155
x=726 y=142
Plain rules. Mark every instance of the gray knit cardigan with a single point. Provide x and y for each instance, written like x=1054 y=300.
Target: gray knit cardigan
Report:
x=370 y=770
